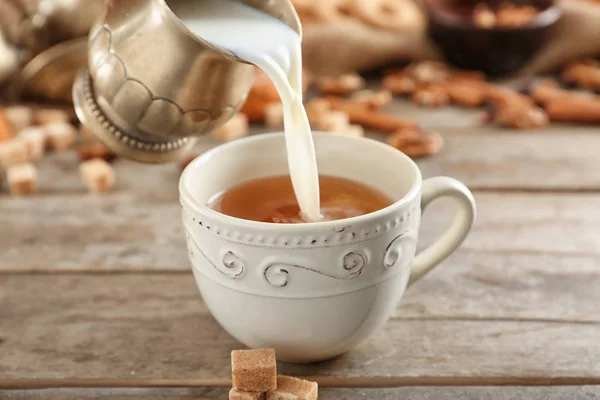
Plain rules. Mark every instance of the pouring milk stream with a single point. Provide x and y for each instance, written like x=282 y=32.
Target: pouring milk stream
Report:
x=275 y=48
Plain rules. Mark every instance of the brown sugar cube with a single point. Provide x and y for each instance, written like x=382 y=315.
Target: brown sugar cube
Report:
x=98 y=175
x=7 y=131
x=22 y=179
x=21 y=117
x=50 y=116
x=240 y=395
x=343 y=84
x=13 y=152
x=274 y=115
x=316 y=109
x=289 y=388
x=35 y=138
x=61 y=135
x=334 y=121
x=237 y=127
x=278 y=395
x=354 y=130
x=254 y=370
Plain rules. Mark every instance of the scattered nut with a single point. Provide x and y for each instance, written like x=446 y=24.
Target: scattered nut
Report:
x=400 y=84
x=368 y=118
x=510 y=15
x=415 y=143
x=517 y=116
x=483 y=16
x=465 y=93
x=341 y=85
x=578 y=110
x=584 y=73
x=372 y=99
x=431 y=96
x=428 y=72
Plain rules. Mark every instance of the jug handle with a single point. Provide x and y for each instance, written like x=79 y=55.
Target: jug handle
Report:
x=433 y=189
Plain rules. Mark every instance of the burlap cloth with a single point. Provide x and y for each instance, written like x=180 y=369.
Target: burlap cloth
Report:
x=347 y=46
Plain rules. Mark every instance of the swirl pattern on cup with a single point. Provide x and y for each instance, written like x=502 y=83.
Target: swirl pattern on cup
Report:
x=278 y=274
x=232 y=266
x=399 y=250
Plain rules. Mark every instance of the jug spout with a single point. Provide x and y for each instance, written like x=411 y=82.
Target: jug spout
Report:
x=152 y=87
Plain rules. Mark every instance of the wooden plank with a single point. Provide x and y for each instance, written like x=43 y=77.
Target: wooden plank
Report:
x=470 y=285
x=513 y=287
x=484 y=157
x=132 y=230
x=556 y=158
x=156 y=326
x=429 y=393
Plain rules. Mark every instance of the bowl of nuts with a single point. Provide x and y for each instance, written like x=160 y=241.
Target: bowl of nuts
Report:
x=497 y=37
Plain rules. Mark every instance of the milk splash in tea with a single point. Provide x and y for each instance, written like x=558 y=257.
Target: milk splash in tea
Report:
x=268 y=43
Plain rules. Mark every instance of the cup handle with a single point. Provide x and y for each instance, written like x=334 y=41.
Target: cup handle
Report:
x=433 y=189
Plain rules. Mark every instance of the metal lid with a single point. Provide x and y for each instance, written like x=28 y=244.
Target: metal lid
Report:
x=48 y=39
x=50 y=75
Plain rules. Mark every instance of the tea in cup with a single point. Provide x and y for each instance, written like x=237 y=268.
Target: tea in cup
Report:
x=315 y=290
x=272 y=199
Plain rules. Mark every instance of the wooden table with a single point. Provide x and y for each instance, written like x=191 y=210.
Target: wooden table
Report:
x=99 y=287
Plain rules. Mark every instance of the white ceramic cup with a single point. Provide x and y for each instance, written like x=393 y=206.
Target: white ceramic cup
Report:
x=312 y=291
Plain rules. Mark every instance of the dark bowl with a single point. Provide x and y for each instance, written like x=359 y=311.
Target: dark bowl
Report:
x=495 y=51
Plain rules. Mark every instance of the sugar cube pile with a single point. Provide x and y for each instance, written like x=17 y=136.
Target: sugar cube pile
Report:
x=254 y=377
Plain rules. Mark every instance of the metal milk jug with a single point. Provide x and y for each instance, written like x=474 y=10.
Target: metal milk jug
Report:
x=152 y=86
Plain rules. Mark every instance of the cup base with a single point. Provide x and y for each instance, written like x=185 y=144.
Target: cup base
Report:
x=302 y=331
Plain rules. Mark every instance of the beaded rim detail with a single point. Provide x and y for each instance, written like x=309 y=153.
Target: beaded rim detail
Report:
x=346 y=235
x=108 y=126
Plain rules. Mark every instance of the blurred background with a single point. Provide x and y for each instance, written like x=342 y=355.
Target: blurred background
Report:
x=502 y=95
x=396 y=69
